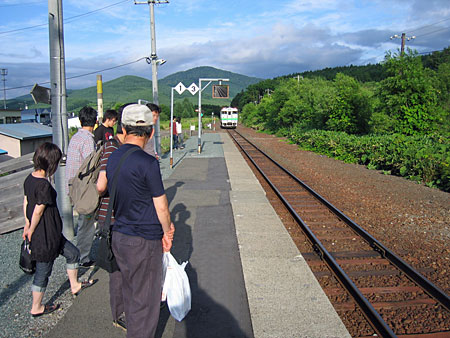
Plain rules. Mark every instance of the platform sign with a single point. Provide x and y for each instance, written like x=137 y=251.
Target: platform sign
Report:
x=193 y=89
x=180 y=88
x=220 y=91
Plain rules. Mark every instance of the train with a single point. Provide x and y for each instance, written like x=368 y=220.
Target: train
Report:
x=228 y=117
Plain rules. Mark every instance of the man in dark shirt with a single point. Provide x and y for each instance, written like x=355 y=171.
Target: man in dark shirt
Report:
x=142 y=227
x=105 y=131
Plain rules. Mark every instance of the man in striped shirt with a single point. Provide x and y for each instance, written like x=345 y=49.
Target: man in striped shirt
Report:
x=115 y=278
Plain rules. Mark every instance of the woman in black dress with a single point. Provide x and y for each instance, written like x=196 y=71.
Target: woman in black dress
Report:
x=43 y=228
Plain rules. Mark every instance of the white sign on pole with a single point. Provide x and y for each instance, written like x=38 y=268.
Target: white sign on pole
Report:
x=180 y=88
x=193 y=89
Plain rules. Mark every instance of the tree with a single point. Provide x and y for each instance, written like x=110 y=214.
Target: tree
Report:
x=351 y=108
x=408 y=94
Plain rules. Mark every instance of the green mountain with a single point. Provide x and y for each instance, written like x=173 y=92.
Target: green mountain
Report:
x=131 y=88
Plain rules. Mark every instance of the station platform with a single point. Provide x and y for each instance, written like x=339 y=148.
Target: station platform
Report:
x=247 y=277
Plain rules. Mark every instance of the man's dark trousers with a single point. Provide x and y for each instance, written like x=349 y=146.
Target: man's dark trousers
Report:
x=140 y=263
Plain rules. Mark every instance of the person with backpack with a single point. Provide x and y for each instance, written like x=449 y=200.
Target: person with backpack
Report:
x=81 y=145
x=43 y=229
x=142 y=226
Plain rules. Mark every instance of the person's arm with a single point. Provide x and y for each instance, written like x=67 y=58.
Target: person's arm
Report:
x=27 y=222
x=102 y=182
x=162 y=210
x=37 y=214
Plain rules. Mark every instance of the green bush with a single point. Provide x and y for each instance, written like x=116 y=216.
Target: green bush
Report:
x=422 y=158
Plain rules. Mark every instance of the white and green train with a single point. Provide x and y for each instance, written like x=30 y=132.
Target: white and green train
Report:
x=228 y=117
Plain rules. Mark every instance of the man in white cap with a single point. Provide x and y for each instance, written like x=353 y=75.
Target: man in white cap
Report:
x=142 y=227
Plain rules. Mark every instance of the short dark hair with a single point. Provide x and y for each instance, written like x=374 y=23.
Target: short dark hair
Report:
x=153 y=107
x=110 y=114
x=119 y=118
x=139 y=130
x=87 y=116
x=46 y=157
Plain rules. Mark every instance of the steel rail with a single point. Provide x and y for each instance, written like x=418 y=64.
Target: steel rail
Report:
x=434 y=291
x=368 y=310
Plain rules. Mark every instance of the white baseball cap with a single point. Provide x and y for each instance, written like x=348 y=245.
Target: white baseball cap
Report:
x=137 y=115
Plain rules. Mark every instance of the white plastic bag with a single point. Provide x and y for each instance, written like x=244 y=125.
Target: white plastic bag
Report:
x=176 y=287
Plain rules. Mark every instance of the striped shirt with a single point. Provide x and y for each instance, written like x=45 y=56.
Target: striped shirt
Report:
x=109 y=147
x=81 y=145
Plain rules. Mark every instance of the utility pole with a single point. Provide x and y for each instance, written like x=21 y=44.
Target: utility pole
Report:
x=99 y=99
x=4 y=73
x=59 y=110
x=403 y=37
x=154 y=62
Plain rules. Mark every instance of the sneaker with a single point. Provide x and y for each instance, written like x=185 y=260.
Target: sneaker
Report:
x=120 y=322
x=87 y=265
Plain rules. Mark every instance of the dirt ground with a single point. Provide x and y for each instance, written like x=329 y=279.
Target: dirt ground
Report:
x=411 y=219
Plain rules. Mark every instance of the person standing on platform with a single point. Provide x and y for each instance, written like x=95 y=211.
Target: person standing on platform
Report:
x=180 y=133
x=174 y=133
x=105 y=131
x=115 y=278
x=142 y=227
x=43 y=229
x=81 y=145
x=150 y=147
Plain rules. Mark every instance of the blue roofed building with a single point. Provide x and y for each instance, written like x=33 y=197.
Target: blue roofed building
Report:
x=19 y=139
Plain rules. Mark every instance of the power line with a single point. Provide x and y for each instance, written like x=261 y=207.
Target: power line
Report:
x=86 y=74
x=436 y=31
x=68 y=20
x=431 y=24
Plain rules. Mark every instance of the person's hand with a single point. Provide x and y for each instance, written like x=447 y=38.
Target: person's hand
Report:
x=171 y=232
x=168 y=238
x=166 y=243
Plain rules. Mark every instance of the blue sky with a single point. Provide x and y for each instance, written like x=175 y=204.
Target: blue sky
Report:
x=259 y=38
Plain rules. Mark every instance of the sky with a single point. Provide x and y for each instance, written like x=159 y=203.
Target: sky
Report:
x=259 y=38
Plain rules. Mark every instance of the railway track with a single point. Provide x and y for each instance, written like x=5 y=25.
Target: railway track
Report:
x=373 y=290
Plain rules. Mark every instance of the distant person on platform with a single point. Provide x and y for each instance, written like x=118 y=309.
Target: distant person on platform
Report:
x=150 y=147
x=174 y=133
x=180 y=133
x=81 y=145
x=142 y=227
x=105 y=131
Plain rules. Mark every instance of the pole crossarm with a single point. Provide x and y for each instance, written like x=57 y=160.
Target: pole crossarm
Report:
x=156 y=2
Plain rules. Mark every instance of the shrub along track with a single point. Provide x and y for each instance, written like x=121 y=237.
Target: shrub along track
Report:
x=402 y=304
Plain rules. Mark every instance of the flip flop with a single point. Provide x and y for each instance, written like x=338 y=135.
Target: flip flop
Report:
x=47 y=309
x=84 y=285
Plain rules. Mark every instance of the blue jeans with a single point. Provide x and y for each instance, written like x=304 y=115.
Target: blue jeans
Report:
x=44 y=269
x=175 y=141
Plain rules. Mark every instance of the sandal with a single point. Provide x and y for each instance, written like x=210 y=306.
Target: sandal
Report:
x=84 y=285
x=47 y=309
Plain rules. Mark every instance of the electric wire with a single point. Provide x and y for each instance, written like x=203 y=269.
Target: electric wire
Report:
x=67 y=20
x=86 y=74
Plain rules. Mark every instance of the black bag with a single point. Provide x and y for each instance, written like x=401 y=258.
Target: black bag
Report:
x=25 y=262
x=105 y=256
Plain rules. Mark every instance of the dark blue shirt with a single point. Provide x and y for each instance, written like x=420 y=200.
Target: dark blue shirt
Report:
x=138 y=182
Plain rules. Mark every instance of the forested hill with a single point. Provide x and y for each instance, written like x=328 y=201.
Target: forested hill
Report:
x=131 y=88
x=372 y=72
